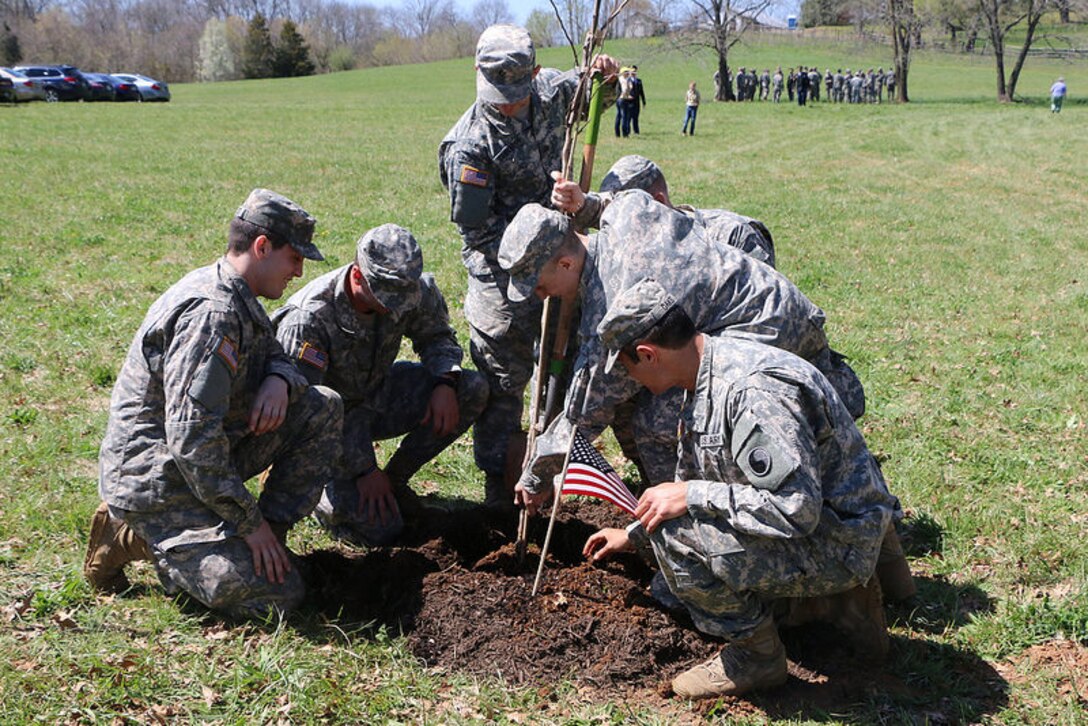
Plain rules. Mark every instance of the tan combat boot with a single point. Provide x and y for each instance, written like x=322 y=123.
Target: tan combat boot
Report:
x=859 y=614
x=112 y=545
x=757 y=662
x=892 y=569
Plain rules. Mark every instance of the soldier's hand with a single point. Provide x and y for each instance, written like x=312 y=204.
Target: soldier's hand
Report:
x=270 y=559
x=567 y=196
x=532 y=502
x=376 y=502
x=270 y=407
x=662 y=503
x=442 y=412
x=605 y=543
x=608 y=66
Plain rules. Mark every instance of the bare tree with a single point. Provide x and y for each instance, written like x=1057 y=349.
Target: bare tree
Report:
x=486 y=13
x=904 y=26
x=719 y=25
x=543 y=28
x=1002 y=16
x=575 y=17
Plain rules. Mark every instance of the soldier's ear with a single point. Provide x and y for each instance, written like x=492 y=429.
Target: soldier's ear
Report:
x=261 y=247
x=647 y=354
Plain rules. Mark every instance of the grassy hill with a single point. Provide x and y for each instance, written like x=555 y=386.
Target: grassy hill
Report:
x=944 y=239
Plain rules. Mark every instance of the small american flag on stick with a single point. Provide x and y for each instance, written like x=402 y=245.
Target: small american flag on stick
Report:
x=589 y=475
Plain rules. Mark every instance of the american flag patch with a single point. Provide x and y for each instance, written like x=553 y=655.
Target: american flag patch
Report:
x=228 y=352
x=311 y=355
x=475 y=177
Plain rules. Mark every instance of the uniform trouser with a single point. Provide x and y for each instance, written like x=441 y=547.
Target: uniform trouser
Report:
x=213 y=564
x=501 y=337
x=727 y=579
x=397 y=409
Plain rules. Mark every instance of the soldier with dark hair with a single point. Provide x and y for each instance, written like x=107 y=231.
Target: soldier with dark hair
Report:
x=775 y=496
x=205 y=400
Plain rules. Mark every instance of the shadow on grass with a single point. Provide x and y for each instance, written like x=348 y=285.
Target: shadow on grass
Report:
x=921 y=682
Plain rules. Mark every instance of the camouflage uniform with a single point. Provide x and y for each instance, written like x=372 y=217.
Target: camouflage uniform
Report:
x=356 y=355
x=637 y=172
x=178 y=450
x=723 y=290
x=783 y=497
x=492 y=165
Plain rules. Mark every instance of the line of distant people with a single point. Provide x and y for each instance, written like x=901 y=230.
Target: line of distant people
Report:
x=803 y=84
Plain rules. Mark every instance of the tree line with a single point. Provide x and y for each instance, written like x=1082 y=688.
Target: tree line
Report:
x=187 y=40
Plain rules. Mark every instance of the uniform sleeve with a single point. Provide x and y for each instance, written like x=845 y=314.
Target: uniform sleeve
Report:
x=778 y=493
x=433 y=340
x=200 y=364
x=305 y=344
x=590 y=213
x=470 y=179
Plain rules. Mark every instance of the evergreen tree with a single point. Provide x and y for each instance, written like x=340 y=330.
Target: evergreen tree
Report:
x=216 y=61
x=292 y=54
x=10 y=51
x=257 y=52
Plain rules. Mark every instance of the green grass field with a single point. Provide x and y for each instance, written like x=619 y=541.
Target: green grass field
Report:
x=945 y=239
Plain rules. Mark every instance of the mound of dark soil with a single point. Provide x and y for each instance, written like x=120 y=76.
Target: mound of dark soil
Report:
x=455 y=588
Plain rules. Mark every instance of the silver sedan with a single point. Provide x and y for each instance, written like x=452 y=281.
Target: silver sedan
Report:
x=149 y=88
x=26 y=89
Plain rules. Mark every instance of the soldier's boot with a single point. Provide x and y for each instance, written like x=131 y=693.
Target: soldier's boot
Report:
x=757 y=662
x=498 y=495
x=111 y=546
x=859 y=614
x=892 y=569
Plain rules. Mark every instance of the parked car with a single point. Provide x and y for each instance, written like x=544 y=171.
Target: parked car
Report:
x=100 y=87
x=123 y=90
x=26 y=89
x=149 y=88
x=56 y=84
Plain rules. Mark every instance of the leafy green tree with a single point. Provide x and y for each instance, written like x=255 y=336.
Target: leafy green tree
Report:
x=257 y=51
x=292 y=56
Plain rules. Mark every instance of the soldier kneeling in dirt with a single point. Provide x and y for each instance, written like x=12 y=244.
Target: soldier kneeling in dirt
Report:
x=205 y=400
x=778 y=507
x=345 y=329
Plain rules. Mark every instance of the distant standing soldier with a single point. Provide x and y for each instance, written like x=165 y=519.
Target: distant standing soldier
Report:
x=889 y=79
x=205 y=400
x=1057 y=95
x=344 y=330
x=836 y=86
x=638 y=99
x=791 y=84
x=765 y=84
x=814 y=83
x=856 y=85
x=880 y=80
x=829 y=81
x=802 y=86
x=742 y=83
x=497 y=158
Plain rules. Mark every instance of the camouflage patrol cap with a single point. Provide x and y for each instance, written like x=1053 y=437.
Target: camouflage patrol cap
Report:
x=631 y=172
x=533 y=236
x=632 y=314
x=505 y=59
x=282 y=217
x=391 y=261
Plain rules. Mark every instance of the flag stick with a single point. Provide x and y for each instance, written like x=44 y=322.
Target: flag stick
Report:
x=522 y=543
x=555 y=509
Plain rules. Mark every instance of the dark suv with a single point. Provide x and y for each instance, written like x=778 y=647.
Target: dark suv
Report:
x=59 y=83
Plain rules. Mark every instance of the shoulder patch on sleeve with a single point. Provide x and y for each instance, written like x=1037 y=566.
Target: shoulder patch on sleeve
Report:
x=765 y=461
x=312 y=356
x=475 y=177
x=228 y=353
